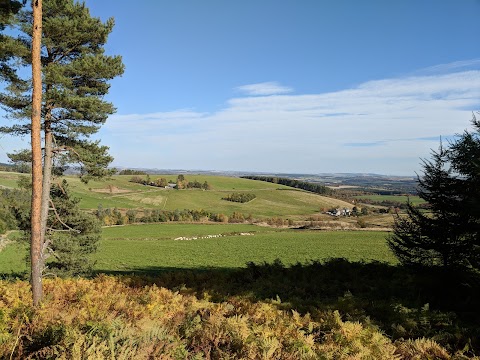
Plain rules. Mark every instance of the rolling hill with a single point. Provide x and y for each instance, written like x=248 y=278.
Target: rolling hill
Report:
x=271 y=199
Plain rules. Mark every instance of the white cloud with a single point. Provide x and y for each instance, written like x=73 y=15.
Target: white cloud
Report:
x=327 y=132
x=462 y=65
x=265 y=88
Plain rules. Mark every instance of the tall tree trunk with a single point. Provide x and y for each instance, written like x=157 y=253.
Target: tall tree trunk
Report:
x=36 y=242
x=47 y=181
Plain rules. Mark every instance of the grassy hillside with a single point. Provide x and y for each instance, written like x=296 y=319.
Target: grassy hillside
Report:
x=8 y=179
x=271 y=199
x=415 y=200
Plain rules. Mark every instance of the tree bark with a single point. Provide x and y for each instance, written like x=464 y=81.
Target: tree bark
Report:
x=36 y=242
x=47 y=181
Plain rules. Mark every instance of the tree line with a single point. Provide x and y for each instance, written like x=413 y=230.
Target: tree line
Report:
x=131 y=172
x=180 y=183
x=115 y=216
x=315 y=188
x=391 y=203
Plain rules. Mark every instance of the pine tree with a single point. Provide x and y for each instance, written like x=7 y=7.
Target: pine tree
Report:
x=76 y=72
x=8 y=45
x=447 y=235
x=74 y=234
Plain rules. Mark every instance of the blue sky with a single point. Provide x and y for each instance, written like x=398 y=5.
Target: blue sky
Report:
x=288 y=86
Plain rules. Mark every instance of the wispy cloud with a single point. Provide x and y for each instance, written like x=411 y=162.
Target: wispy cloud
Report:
x=265 y=88
x=379 y=126
x=463 y=65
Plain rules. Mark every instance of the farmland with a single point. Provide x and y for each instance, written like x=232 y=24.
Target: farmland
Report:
x=415 y=200
x=149 y=246
x=278 y=269
x=271 y=199
x=130 y=251
x=298 y=268
x=152 y=247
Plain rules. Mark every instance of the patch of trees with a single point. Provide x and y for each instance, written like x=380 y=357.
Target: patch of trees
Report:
x=183 y=183
x=240 y=197
x=278 y=221
x=160 y=182
x=391 y=204
x=315 y=188
x=180 y=183
x=115 y=216
x=132 y=172
x=5 y=167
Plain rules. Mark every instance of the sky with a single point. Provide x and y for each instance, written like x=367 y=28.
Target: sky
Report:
x=288 y=86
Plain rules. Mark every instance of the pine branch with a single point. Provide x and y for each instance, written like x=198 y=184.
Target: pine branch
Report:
x=60 y=220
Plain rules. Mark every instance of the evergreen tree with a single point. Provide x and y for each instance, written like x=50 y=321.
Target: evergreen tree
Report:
x=448 y=235
x=75 y=72
x=74 y=235
x=21 y=160
x=8 y=45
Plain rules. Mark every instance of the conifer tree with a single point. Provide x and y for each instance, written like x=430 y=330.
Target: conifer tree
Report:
x=74 y=234
x=448 y=235
x=76 y=72
x=8 y=45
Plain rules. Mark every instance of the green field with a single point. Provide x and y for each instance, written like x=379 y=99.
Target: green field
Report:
x=153 y=246
x=149 y=248
x=271 y=199
x=415 y=200
x=8 y=179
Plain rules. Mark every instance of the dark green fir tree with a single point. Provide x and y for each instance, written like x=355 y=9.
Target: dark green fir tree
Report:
x=448 y=234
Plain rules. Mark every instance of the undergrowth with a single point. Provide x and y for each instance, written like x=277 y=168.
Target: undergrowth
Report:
x=115 y=318
x=405 y=303
x=319 y=310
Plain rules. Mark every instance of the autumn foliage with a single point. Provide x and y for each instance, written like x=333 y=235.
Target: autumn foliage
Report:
x=119 y=318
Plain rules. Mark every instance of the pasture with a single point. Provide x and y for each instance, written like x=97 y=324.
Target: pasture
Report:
x=151 y=248
x=8 y=179
x=415 y=200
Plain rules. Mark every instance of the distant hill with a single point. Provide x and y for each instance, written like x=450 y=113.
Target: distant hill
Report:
x=376 y=183
x=270 y=199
